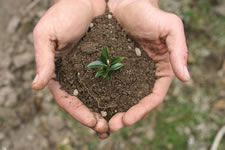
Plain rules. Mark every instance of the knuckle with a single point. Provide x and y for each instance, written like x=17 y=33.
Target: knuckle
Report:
x=127 y=123
x=177 y=20
x=92 y=122
x=38 y=31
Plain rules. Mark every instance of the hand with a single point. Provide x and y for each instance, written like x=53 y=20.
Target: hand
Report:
x=161 y=35
x=63 y=24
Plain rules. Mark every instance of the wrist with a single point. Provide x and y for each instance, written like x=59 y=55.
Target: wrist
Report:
x=98 y=6
x=113 y=4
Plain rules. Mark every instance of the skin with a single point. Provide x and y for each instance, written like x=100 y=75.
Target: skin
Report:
x=67 y=21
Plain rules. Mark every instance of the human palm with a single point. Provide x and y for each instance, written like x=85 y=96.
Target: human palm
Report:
x=161 y=35
x=54 y=35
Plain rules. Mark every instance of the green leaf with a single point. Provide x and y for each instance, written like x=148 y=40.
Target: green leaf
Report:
x=96 y=64
x=105 y=54
x=116 y=60
x=106 y=74
x=100 y=73
x=116 y=67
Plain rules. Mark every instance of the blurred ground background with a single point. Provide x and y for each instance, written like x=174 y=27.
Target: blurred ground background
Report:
x=189 y=118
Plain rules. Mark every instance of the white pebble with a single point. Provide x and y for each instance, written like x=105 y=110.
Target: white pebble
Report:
x=138 y=51
x=91 y=25
x=103 y=113
x=109 y=16
x=75 y=92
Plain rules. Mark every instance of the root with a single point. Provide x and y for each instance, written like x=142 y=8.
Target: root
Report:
x=92 y=95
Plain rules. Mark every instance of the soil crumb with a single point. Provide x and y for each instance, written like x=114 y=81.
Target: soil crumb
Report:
x=129 y=85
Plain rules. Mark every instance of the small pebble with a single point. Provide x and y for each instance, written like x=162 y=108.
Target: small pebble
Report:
x=103 y=113
x=75 y=92
x=109 y=16
x=91 y=25
x=138 y=51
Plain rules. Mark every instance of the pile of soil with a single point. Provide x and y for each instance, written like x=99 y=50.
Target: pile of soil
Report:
x=129 y=85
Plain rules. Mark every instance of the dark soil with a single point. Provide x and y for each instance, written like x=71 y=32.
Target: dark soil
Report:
x=130 y=84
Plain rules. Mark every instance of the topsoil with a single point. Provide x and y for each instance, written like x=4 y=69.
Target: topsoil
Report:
x=129 y=85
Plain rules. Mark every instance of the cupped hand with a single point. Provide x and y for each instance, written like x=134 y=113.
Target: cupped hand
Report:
x=161 y=35
x=54 y=35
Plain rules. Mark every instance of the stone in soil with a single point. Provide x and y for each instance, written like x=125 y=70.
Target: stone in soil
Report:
x=75 y=92
x=138 y=51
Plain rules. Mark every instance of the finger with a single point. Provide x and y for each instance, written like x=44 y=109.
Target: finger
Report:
x=72 y=105
x=44 y=55
x=103 y=135
x=102 y=125
x=116 y=122
x=177 y=47
x=149 y=102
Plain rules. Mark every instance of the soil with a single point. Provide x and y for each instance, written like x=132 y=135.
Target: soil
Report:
x=130 y=84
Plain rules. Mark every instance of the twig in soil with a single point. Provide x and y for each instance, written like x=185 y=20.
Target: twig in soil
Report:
x=218 y=138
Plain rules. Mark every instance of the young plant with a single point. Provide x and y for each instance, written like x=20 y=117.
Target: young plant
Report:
x=107 y=66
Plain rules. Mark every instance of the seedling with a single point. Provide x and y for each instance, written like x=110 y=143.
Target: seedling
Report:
x=107 y=66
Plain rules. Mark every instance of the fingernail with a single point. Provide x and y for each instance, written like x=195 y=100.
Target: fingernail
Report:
x=35 y=79
x=186 y=73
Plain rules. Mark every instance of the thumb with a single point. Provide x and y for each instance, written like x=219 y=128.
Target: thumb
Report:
x=178 y=50
x=44 y=55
